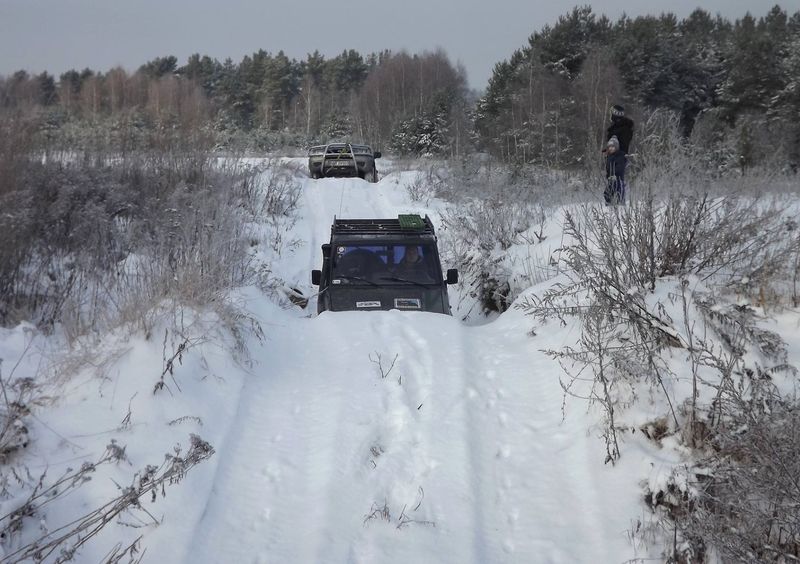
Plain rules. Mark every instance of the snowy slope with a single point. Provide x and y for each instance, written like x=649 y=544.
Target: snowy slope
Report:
x=466 y=428
x=460 y=454
x=361 y=436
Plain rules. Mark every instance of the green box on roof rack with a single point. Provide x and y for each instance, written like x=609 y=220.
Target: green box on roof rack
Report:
x=411 y=221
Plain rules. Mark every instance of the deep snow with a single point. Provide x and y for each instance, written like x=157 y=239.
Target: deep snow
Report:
x=466 y=451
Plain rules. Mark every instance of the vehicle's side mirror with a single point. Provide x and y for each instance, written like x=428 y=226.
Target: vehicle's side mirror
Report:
x=316 y=276
x=326 y=250
x=452 y=276
x=377 y=154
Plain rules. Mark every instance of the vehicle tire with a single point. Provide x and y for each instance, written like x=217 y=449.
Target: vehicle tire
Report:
x=315 y=175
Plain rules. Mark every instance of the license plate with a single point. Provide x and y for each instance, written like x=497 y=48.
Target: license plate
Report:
x=368 y=304
x=342 y=163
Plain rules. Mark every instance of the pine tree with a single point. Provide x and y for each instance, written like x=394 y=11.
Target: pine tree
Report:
x=753 y=73
x=702 y=68
x=563 y=48
x=346 y=72
x=279 y=86
x=426 y=134
x=204 y=70
x=47 y=89
x=237 y=104
x=784 y=109
x=310 y=89
x=69 y=86
x=160 y=66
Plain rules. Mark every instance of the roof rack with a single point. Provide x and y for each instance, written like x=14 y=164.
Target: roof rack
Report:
x=407 y=224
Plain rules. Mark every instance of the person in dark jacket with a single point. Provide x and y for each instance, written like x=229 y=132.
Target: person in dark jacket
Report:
x=412 y=266
x=621 y=127
x=615 y=173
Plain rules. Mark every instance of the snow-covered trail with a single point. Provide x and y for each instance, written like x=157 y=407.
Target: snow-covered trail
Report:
x=406 y=436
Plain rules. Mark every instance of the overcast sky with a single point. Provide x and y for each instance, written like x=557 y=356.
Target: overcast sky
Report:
x=57 y=35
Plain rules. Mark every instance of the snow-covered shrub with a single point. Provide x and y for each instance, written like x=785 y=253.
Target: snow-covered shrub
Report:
x=479 y=234
x=426 y=186
x=18 y=398
x=495 y=211
x=282 y=190
x=339 y=127
x=99 y=239
x=230 y=138
x=63 y=541
x=753 y=145
x=424 y=136
x=660 y=282
x=16 y=144
x=616 y=257
x=731 y=239
x=659 y=147
x=740 y=500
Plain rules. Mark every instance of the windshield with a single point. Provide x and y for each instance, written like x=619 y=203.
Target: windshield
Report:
x=385 y=264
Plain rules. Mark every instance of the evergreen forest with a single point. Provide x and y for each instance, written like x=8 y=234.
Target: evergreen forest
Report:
x=727 y=89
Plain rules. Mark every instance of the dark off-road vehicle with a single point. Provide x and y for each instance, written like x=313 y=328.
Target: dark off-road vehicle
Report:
x=343 y=159
x=373 y=264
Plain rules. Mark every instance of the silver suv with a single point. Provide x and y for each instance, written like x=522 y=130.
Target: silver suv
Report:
x=343 y=159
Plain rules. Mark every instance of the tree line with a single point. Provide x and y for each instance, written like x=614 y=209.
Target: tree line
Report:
x=372 y=98
x=731 y=87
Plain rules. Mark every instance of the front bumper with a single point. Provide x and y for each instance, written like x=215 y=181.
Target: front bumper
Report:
x=339 y=166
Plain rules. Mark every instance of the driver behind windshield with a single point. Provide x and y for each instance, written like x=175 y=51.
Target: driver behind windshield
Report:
x=412 y=266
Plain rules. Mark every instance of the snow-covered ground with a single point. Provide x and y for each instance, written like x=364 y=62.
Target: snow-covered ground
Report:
x=347 y=437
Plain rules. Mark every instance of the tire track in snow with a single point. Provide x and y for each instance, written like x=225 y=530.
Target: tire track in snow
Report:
x=533 y=487
x=280 y=477
x=396 y=456
x=543 y=469
x=464 y=398
x=426 y=462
